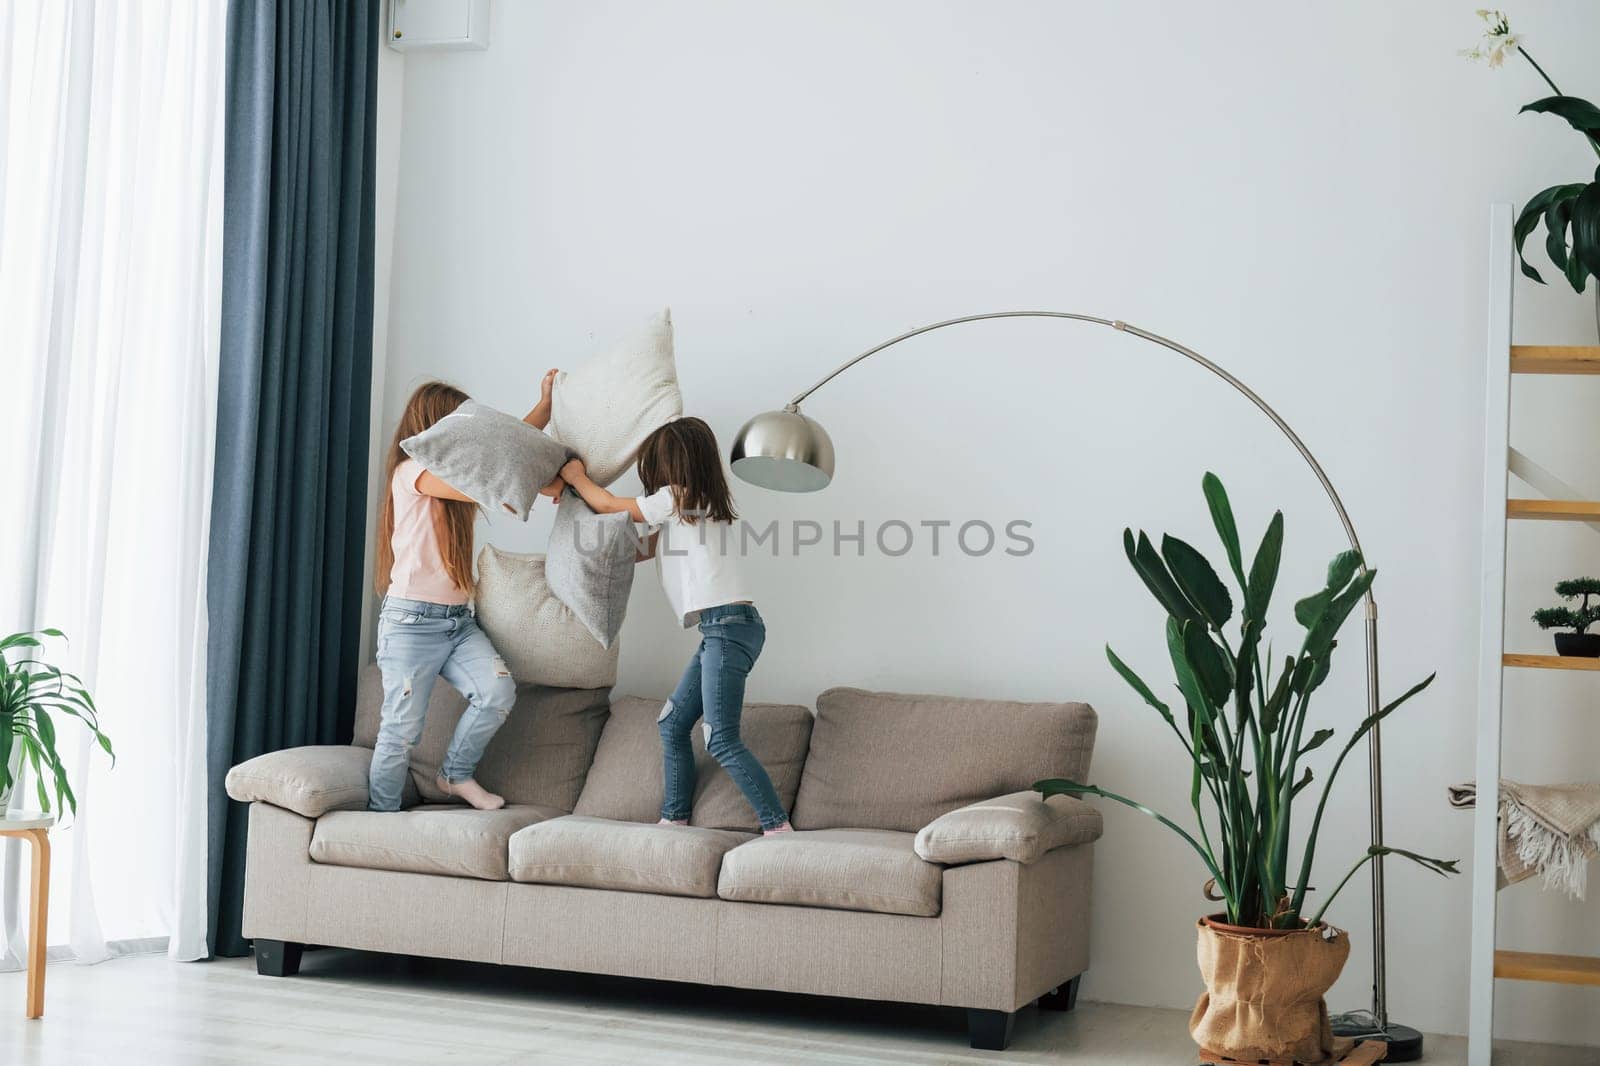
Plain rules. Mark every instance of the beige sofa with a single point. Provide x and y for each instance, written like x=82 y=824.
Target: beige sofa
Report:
x=922 y=869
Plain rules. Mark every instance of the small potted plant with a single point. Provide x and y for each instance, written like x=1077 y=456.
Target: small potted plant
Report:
x=31 y=692
x=1580 y=642
x=1244 y=721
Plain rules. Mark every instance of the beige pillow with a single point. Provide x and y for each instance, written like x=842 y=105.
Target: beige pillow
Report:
x=608 y=404
x=626 y=780
x=880 y=760
x=1020 y=826
x=537 y=635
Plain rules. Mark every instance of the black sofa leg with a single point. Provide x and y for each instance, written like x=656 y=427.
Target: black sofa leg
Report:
x=277 y=958
x=1062 y=998
x=989 y=1030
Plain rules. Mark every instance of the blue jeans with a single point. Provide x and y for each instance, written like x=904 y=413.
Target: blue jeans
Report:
x=418 y=642
x=713 y=685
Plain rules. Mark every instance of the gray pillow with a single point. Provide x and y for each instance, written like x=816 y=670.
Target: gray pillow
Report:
x=497 y=459
x=590 y=565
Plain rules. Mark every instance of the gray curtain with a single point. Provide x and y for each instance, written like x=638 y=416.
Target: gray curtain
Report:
x=288 y=507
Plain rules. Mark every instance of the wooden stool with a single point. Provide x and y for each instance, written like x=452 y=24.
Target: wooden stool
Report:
x=35 y=827
x=1365 y=1053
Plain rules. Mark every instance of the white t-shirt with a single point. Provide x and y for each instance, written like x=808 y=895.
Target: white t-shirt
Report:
x=698 y=564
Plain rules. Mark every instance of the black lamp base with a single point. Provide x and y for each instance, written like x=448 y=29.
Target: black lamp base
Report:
x=1405 y=1043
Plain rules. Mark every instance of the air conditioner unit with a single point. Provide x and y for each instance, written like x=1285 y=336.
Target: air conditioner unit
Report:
x=438 y=25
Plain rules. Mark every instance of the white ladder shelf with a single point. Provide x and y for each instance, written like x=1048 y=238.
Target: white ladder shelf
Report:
x=1505 y=359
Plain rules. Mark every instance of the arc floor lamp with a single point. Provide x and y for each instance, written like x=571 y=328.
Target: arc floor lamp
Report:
x=787 y=451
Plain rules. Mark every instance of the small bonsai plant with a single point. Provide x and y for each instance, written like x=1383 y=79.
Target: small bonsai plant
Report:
x=31 y=692
x=1578 y=619
x=1572 y=208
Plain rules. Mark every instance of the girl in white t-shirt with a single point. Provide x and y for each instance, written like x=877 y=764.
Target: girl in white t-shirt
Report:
x=426 y=630
x=690 y=512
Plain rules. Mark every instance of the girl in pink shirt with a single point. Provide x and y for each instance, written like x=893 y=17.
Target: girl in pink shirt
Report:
x=426 y=629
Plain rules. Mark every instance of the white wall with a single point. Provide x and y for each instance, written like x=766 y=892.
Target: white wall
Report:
x=1300 y=193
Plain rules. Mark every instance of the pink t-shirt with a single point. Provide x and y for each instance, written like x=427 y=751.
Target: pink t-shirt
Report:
x=418 y=572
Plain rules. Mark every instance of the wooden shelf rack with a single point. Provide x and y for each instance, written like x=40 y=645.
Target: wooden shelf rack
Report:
x=1489 y=961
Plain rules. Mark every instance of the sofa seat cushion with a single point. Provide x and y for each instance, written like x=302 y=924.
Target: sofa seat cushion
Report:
x=668 y=860
x=435 y=839
x=845 y=869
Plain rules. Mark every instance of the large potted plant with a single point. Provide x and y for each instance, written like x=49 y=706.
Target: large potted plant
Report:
x=1570 y=212
x=1579 y=642
x=1244 y=721
x=32 y=692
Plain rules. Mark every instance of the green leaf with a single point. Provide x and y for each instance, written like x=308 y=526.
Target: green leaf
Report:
x=1442 y=867
x=1199 y=582
x=1556 y=219
x=1305 y=780
x=1264 y=570
x=1580 y=114
x=1319 y=738
x=1532 y=213
x=1272 y=711
x=1342 y=568
x=1210 y=664
x=1194 y=692
x=1138 y=685
x=1222 y=519
x=1153 y=572
x=1320 y=639
x=1586 y=229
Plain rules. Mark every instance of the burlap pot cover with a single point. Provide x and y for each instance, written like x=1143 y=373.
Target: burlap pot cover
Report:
x=1263 y=997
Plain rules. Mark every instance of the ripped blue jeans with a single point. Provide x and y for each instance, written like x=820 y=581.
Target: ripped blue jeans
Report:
x=417 y=643
x=731 y=638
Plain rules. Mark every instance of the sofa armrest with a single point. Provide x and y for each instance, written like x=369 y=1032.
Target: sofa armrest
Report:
x=1020 y=826
x=310 y=781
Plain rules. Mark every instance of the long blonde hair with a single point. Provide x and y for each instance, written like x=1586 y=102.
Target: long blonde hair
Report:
x=452 y=519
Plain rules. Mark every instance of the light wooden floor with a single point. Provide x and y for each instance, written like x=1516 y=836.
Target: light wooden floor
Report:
x=352 y=1009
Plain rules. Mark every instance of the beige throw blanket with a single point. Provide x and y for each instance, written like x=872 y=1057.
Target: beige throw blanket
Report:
x=1550 y=830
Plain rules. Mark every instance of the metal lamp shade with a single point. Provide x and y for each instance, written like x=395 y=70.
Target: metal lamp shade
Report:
x=783 y=450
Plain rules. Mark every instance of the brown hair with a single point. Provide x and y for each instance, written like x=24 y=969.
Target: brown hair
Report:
x=452 y=519
x=684 y=454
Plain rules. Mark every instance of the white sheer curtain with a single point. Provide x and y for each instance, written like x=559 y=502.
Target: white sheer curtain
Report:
x=110 y=270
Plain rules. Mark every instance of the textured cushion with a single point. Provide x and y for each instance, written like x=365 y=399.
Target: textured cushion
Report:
x=612 y=401
x=497 y=459
x=536 y=634
x=455 y=841
x=599 y=853
x=846 y=869
x=888 y=761
x=1020 y=826
x=310 y=781
x=626 y=780
x=590 y=566
x=539 y=757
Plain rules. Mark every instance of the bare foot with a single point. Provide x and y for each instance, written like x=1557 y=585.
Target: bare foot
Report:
x=669 y=821
x=784 y=828
x=472 y=792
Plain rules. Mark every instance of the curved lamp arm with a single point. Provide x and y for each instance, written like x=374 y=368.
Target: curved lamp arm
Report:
x=1155 y=338
x=1374 y=744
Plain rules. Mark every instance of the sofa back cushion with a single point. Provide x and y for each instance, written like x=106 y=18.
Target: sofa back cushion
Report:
x=539 y=757
x=880 y=760
x=626 y=779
